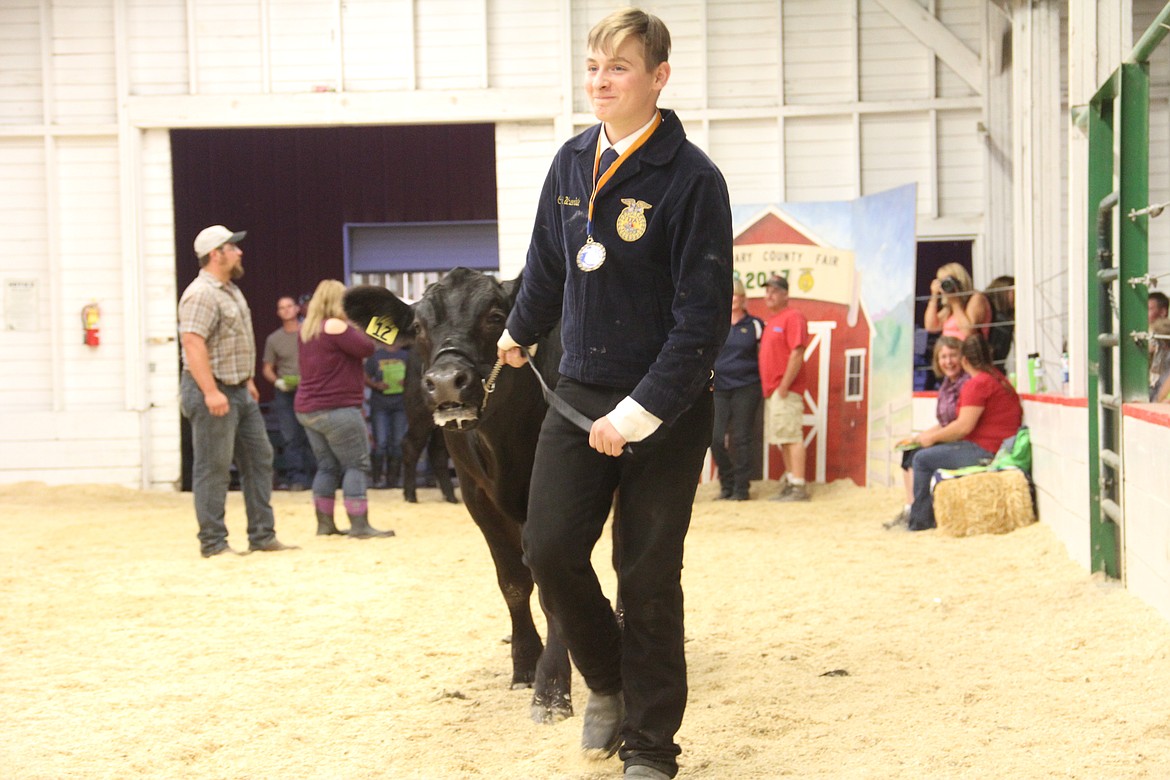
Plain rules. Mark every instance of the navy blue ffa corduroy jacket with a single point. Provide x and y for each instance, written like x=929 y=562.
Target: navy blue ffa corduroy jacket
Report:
x=653 y=317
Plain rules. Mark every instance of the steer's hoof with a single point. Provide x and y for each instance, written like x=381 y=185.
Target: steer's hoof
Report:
x=560 y=708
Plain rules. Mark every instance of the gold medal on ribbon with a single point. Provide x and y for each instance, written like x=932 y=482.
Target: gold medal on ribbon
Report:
x=631 y=223
x=591 y=256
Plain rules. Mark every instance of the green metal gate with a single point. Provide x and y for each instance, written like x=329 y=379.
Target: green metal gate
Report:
x=1118 y=128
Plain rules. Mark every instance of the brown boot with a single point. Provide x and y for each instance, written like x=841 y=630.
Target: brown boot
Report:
x=326 y=526
x=360 y=528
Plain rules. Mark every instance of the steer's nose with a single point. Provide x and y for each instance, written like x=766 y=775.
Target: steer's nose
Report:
x=448 y=383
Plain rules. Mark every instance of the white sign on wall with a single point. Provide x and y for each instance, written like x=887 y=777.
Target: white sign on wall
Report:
x=20 y=304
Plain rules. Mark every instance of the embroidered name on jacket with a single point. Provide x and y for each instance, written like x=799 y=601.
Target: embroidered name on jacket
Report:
x=565 y=200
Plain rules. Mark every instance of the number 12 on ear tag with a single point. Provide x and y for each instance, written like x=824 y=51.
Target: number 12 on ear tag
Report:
x=383 y=329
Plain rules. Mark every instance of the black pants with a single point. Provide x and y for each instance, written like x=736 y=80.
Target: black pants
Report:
x=735 y=410
x=653 y=483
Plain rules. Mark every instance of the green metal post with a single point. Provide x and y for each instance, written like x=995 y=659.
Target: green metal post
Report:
x=1104 y=535
x=1133 y=238
x=1151 y=37
x=1116 y=307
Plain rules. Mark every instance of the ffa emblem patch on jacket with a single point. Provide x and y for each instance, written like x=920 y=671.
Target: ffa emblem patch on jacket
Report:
x=631 y=223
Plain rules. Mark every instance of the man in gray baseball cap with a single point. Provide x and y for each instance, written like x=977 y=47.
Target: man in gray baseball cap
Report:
x=214 y=237
x=218 y=395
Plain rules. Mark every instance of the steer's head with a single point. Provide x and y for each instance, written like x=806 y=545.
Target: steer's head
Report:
x=456 y=325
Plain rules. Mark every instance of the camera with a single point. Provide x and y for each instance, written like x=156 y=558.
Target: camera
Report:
x=950 y=285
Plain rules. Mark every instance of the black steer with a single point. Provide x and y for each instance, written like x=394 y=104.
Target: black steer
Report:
x=456 y=324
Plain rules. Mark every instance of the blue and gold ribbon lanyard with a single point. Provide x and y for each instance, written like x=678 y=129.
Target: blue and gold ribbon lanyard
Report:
x=592 y=255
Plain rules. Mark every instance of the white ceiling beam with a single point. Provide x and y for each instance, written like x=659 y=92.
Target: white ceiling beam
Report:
x=934 y=35
x=315 y=109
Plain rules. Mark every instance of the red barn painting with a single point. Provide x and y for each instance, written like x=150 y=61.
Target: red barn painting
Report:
x=825 y=286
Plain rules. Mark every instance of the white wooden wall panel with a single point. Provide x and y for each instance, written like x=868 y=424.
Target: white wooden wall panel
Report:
x=160 y=310
x=24 y=360
x=20 y=62
x=964 y=20
x=895 y=150
x=70 y=447
x=378 y=45
x=90 y=244
x=819 y=45
x=820 y=159
x=305 y=43
x=748 y=153
x=743 y=40
x=228 y=47
x=524 y=152
x=960 y=163
x=524 y=45
x=23 y=217
x=894 y=65
x=25 y=374
x=83 y=62
x=157 y=47
x=687 y=87
x=451 y=38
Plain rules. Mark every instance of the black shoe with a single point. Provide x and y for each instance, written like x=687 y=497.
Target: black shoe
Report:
x=272 y=545
x=298 y=487
x=740 y=497
x=605 y=714
x=724 y=494
x=221 y=550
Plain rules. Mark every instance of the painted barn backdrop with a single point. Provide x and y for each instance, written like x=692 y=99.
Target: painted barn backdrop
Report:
x=111 y=112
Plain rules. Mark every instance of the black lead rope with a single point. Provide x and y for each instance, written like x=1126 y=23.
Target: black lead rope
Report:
x=550 y=397
x=562 y=406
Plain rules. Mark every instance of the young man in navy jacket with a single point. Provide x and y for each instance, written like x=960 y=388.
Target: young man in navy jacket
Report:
x=632 y=252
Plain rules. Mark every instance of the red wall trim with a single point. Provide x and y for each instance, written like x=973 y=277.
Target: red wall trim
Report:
x=1055 y=400
x=1158 y=414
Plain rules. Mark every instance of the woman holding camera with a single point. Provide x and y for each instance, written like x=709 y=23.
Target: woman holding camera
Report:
x=956 y=308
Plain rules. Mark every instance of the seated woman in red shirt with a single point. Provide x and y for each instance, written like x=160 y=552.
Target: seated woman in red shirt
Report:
x=989 y=412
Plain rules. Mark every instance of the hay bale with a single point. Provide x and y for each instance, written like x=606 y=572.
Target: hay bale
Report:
x=994 y=502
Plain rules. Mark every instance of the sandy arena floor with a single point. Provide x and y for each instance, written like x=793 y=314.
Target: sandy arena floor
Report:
x=127 y=655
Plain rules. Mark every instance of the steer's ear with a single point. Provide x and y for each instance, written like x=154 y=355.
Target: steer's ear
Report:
x=512 y=289
x=381 y=313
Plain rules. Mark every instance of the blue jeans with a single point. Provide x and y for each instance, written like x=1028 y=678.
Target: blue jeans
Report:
x=736 y=408
x=298 y=457
x=240 y=435
x=342 y=446
x=389 y=423
x=949 y=455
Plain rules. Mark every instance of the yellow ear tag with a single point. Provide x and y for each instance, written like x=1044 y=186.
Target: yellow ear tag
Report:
x=383 y=329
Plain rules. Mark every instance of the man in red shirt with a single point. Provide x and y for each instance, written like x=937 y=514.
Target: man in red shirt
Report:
x=781 y=359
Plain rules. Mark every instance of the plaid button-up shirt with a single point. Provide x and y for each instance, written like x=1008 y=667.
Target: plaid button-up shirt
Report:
x=219 y=313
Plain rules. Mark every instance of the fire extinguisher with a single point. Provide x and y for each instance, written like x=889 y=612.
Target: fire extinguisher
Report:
x=91 y=316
